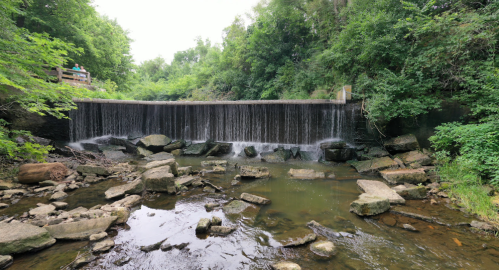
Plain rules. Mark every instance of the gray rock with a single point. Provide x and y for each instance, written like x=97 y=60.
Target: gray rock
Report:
x=6 y=185
x=5 y=261
x=221 y=230
x=160 y=163
x=402 y=143
x=154 y=142
x=122 y=261
x=254 y=172
x=152 y=247
x=196 y=149
x=207 y=163
x=279 y=156
x=413 y=157
x=374 y=165
x=401 y=176
x=322 y=230
x=216 y=221
x=369 y=205
x=380 y=189
x=333 y=145
x=173 y=146
x=339 y=155
x=305 y=174
x=91 y=179
x=129 y=201
x=159 y=156
x=285 y=265
x=254 y=199
x=22 y=237
x=409 y=227
x=93 y=169
x=11 y=192
x=142 y=152
x=98 y=236
x=323 y=248
x=43 y=189
x=377 y=152
x=134 y=187
x=103 y=246
x=213 y=151
x=307 y=156
x=96 y=213
x=250 y=151
x=166 y=247
x=3 y=205
x=58 y=196
x=294 y=151
x=184 y=170
x=241 y=207
x=185 y=180
x=83 y=260
x=42 y=210
x=482 y=225
x=114 y=155
x=80 y=230
x=47 y=183
x=203 y=225
x=399 y=162
x=301 y=241
x=411 y=193
x=210 y=206
x=159 y=179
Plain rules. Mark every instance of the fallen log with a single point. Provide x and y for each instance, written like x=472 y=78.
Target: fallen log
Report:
x=33 y=173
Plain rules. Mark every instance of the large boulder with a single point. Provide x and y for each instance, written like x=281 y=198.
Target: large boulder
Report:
x=22 y=237
x=174 y=146
x=159 y=163
x=402 y=143
x=250 y=151
x=339 y=155
x=93 y=169
x=279 y=156
x=42 y=210
x=254 y=199
x=415 y=156
x=129 y=146
x=333 y=145
x=197 y=149
x=134 y=187
x=380 y=189
x=33 y=173
x=154 y=143
x=114 y=155
x=305 y=174
x=254 y=172
x=375 y=165
x=401 y=176
x=159 y=179
x=80 y=230
x=142 y=152
x=369 y=205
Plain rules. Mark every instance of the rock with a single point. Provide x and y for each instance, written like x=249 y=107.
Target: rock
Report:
x=122 y=214
x=203 y=225
x=181 y=246
x=154 y=143
x=184 y=170
x=213 y=151
x=216 y=221
x=96 y=213
x=389 y=221
x=321 y=230
x=409 y=227
x=58 y=196
x=152 y=247
x=401 y=176
x=129 y=201
x=207 y=163
x=254 y=172
x=415 y=157
x=225 y=148
x=142 y=152
x=339 y=155
x=482 y=225
x=97 y=236
x=103 y=246
x=14 y=192
x=42 y=210
x=380 y=189
x=83 y=260
x=250 y=151
x=237 y=207
x=93 y=179
x=174 y=146
x=22 y=237
x=278 y=156
x=159 y=179
x=442 y=194
x=114 y=155
x=134 y=187
x=6 y=185
x=71 y=187
x=196 y=149
x=93 y=169
x=285 y=265
x=294 y=151
x=209 y=189
x=218 y=170
x=305 y=174
x=122 y=261
x=80 y=230
x=160 y=163
x=412 y=193
x=210 y=206
x=333 y=145
x=307 y=155
x=5 y=261
x=396 y=211
x=166 y=247
x=369 y=205
x=377 y=152
x=402 y=143
x=159 y=156
x=254 y=199
x=33 y=173
x=129 y=146
x=221 y=230
x=185 y=180
x=375 y=165
x=301 y=241
x=323 y=248
x=3 y=205
x=177 y=152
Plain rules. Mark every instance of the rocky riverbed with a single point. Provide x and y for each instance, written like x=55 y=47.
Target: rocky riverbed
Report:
x=237 y=212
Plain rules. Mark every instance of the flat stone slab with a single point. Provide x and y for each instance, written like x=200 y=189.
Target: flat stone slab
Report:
x=42 y=210
x=134 y=187
x=221 y=230
x=380 y=189
x=155 y=142
x=401 y=176
x=22 y=237
x=160 y=163
x=254 y=199
x=411 y=193
x=93 y=169
x=285 y=265
x=254 y=172
x=159 y=179
x=103 y=246
x=58 y=196
x=415 y=157
x=80 y=230
x=208 y=163
x=301 y=241
x=159 y=156
x=114 y=155
x=402 y=143
x=305 y=174
x=369 y=205
x=374 y=165
x=185 y=180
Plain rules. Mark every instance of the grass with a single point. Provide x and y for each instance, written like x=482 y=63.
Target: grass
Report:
x=466 y=186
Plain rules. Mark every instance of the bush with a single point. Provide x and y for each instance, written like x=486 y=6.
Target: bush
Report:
x=12 y=150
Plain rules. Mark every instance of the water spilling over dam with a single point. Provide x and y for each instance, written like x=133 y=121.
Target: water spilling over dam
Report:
x=286 y=122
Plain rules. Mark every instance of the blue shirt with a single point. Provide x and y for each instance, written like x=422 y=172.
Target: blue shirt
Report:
x=76 y=68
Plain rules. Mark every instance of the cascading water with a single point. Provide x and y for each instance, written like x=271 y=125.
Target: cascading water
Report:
x=294 y=124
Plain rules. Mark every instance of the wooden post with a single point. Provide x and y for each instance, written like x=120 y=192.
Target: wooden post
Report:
x=59 y=74
x=89 y=80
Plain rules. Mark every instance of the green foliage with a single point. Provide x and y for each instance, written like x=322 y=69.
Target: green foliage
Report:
x=28 y=150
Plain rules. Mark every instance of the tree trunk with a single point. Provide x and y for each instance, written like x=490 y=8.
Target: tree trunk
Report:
x=36 y=172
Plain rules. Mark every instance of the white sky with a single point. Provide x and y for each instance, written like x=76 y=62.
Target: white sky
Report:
x=164 y=27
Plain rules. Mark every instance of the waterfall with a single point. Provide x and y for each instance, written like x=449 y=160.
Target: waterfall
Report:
x=290 y=123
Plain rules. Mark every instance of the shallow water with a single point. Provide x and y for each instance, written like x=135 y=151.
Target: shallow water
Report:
x=257 y=241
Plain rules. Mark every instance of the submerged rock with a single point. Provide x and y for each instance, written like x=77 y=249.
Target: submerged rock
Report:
x=250 y=151
x=218 y=169
x=21 y=237
x=375 y=165
x=285 y=265
x=380 y=189
x=154 y=142
x=80 y=230
x=321 y=230
x=402 y=143
x=369 y=205
x=236 y=207
x=305 y=174
x=208 y=163
x=323 y=249
x=184 y=170
x=254 y=199
x=301 y=241
x=254 y=172
x=185 y=180
x=401 y=176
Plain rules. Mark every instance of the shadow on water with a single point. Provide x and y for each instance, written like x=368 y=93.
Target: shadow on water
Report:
x=379 y=242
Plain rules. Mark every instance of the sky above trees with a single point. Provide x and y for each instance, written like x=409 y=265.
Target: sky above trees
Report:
x=164 y=27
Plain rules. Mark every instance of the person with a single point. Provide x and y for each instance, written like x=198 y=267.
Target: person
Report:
x=76 y=67
x=83 y=75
